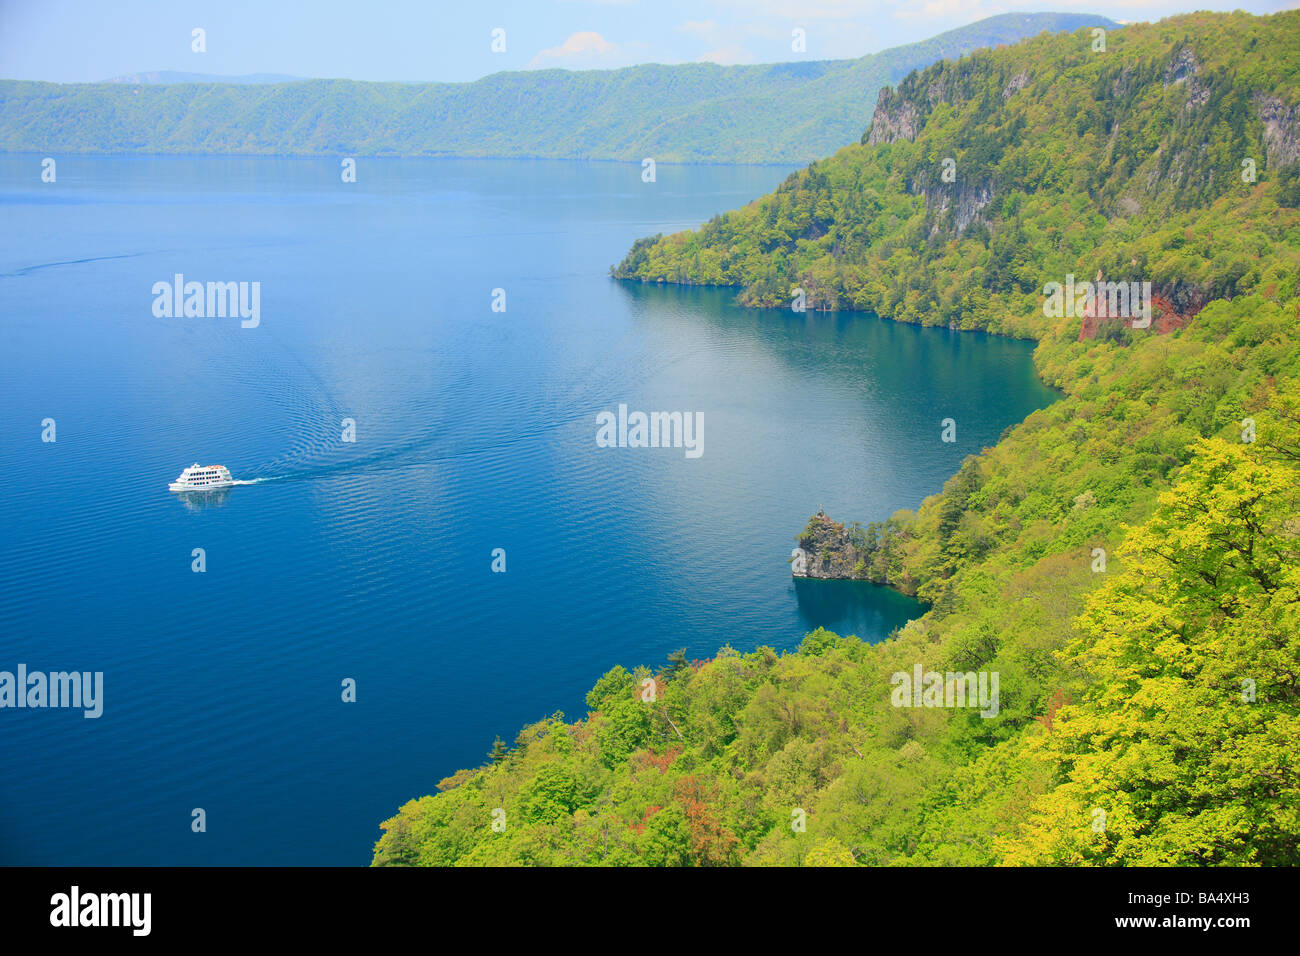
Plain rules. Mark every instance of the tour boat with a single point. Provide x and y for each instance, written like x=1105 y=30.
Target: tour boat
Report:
x=202 y=478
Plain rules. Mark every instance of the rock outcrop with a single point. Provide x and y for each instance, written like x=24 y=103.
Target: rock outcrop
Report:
x=963 y=201
x=895 y=118
x=830 y=550
x=901 y=113
x=1015 y=84
x=1281 y=130
x=1173 y=306
x=1185 y=68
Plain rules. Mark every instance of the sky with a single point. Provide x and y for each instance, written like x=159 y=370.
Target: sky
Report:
x=78 y=41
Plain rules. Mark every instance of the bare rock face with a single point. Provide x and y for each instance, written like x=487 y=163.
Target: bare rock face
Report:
x=1182 y=65
x=965 y=200
x=1281 y=130
x=1123 y=83
x=1174 y=305
x=1184 y=68
x=830 y=550
x=895 y=118
x=1015 y=84
x=900 y=115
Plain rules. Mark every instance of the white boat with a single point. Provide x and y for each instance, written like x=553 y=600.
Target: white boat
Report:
x=202 y=478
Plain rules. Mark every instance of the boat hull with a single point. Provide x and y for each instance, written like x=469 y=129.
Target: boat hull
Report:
x=185 y=486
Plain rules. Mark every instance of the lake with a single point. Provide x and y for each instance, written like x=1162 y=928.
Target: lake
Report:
x=371 y=559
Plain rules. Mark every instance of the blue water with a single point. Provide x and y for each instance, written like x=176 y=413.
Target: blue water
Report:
x=371 y=560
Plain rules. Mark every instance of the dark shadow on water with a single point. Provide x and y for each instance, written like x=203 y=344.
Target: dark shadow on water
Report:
x=870 y=611
x=866 y=351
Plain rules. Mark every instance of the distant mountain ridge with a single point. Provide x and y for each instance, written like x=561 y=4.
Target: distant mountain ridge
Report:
x=697 y=112
x=162 y=77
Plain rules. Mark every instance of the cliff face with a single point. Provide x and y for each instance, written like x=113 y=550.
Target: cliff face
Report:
x=895 y=119
x=1178 y=164
x=1185 y=68
x=953 y=206
x=1174 y=305
x=830 y=550
x=902 y=111
x=900 y=115
x=1281 y=130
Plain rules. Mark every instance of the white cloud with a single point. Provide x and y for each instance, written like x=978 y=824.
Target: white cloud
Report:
x=722 y=51
x=582 y=49
x=956 y=11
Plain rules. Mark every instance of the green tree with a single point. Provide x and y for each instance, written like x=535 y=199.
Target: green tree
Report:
x=1187 y=745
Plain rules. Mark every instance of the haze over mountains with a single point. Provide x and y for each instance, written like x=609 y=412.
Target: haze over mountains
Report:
x=791 y=112
x=165 y=77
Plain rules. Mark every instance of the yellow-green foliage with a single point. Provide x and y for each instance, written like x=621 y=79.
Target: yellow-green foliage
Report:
x=1160 y=691
x=1119 y=690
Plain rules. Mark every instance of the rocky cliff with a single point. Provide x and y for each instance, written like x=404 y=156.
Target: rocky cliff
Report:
x=1281 y=130
x=829 y=550
x=974 y=180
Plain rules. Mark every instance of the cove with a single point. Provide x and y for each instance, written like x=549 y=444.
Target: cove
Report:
x=372 y=560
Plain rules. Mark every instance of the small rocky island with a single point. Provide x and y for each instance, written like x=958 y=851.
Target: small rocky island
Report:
x=831 y=550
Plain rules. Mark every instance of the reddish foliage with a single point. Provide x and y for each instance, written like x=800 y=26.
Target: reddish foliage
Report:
x=639 y=828
x=1166 y=318
x=712 y=844
x=1058 y=700
x=645 y=759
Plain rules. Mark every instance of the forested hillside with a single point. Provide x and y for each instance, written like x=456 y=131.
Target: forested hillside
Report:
x=695 y=112
x=1064 y=160
x=1127 y=561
